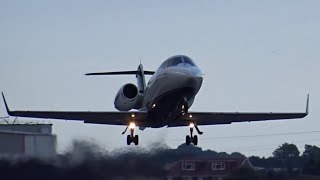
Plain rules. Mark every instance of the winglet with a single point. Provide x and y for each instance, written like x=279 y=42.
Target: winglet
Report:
x=307 y=106
x=5 y=103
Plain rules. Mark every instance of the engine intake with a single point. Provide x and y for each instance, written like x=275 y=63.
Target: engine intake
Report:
x=130 y=91
x=128 y=98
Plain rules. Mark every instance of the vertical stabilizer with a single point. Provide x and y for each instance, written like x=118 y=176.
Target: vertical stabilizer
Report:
x=141 y=79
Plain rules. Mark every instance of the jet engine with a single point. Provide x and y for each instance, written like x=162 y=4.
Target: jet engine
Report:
x=128 y=98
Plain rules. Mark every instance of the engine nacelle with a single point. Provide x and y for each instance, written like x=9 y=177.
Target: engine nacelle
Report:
x=128 y=98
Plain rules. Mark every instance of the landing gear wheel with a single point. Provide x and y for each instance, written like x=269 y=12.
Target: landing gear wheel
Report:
x=195 y=140
x=188 y=140
x=129 y=140
x=136 y=139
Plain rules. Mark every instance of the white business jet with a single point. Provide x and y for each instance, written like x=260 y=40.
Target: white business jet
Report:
x=164 y=101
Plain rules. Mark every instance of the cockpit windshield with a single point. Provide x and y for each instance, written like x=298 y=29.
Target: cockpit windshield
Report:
x=188 y=61
x=177 y=61
x=174 y=61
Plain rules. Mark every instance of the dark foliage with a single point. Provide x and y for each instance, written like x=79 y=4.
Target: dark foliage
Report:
x=287 y=157
x=311 y=158
x=88 y=161
x=244 y=174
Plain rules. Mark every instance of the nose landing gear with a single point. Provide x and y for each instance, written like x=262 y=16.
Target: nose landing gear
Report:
x=193 y=139
x=131 y=138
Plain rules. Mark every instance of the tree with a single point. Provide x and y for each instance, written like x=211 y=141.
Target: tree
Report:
x=243 y=174
x=311 y=158
x=311 y=152
x=237 y=155
x=186 y=149
x=288 y=155
x=256 y=161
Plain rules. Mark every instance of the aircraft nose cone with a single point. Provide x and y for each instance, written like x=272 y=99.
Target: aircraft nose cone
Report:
x=194 y=81
x=183 y=79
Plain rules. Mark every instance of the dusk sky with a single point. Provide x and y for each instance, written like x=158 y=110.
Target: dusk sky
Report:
x=258 y=56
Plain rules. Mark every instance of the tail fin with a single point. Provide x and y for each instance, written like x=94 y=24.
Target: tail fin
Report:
x=141 y=79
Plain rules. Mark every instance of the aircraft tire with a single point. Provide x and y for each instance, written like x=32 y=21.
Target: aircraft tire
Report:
x=129 y=140
x=195 y=140
x=188 y=140
x=136 y=139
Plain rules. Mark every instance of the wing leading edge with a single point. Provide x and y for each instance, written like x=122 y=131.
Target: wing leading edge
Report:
x=140 y=118
x=215 y=118
x=112 y=118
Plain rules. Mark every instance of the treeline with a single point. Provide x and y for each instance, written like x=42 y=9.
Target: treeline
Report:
x=287 y=156
x=88 y=161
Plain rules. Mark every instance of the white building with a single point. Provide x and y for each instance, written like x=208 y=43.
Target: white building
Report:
x=34 y=140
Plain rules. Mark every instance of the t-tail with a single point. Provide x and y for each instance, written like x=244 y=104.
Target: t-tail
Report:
x=129 y=96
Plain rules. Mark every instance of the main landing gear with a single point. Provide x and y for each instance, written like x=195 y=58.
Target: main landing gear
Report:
x=193 y=139
x=131 y=138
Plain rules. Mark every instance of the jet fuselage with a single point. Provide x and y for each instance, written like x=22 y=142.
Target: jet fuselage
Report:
x=171 y=90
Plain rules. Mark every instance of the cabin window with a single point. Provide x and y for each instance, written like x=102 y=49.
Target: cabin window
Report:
x=188 y=166
x=216 y=166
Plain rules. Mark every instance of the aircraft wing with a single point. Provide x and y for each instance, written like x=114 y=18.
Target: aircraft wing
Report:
x=215 y=118
x=112 y=118
x=140 y=118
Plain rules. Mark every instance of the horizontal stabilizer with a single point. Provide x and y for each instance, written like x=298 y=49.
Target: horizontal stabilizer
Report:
x=120 y=73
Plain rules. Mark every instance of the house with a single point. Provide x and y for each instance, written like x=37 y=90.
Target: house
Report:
x=205 y=168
